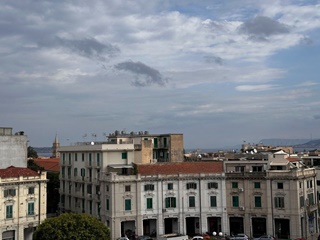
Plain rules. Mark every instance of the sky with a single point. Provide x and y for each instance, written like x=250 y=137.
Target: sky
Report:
x=219 y=72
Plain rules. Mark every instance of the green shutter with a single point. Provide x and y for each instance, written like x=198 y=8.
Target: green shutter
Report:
x=149 y=203
x=257 y=202
x=167 y=202
x=235 y=201
x=174 y=202
x=128 y=204
x=213 y=201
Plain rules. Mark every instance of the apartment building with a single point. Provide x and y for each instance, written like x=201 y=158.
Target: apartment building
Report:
x=23 y=191
x=275 y=196
x=83 y=163
x=23 y=205
x=163 y=198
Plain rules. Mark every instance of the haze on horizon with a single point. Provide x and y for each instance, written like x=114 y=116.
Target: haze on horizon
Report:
x=220 y=72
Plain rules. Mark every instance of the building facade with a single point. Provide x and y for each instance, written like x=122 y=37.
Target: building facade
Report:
x=23 y=202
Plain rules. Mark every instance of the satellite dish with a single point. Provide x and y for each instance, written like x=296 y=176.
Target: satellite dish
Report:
x=92 y=143
x=255 y=150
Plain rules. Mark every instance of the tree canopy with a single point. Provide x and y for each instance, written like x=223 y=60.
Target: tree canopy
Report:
x=32 y=153
x=76 y=226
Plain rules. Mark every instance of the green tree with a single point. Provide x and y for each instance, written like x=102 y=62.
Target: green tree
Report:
x=75 y=226
x=32 y=153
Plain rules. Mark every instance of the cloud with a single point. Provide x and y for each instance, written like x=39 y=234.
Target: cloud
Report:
x=317 y=117
x=86 y=47
x=261 y=27
x=144 y=75
x=213 y=59
x=255 y=88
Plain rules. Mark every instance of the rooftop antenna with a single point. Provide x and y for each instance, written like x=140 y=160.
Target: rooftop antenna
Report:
x=94 y=136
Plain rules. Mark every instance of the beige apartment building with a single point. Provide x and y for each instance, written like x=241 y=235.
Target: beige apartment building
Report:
x=22 y=191
x=277 y=196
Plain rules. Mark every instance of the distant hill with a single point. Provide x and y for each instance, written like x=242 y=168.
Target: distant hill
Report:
x=283 y=142
x=315 y=144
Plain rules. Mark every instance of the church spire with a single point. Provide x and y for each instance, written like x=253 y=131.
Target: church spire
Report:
x=55 y=147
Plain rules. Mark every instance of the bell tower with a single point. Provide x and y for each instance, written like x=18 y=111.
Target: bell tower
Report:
x=55 y=148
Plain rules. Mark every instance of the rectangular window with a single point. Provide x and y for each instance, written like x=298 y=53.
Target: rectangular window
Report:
x=239 y=169
x=76 y=157
x=280 y=185
x=127 y=188
x=191 y=186
x=192 y=201
x=75 y=172
x=9 y=211
x=257 y=201
x=235 y=201
x=213 y=201
x=301 y=201
x=257 y=185
x=149 y=187
x=63 y=158
x=170 y=186
x=98 y=159
x=149 y=203
x=234 y=184
x=31 y=208
x=9 y=192
x=69 y=158
x=213 y=185
x=311 y=199
x=31 y=190
x=257 y=169
x=82 y=157
x=155 y=142
x=170 y=202
x=124 y=155
x=127 y=204
x=107 y=204
x=83 y=172
x=279 y=202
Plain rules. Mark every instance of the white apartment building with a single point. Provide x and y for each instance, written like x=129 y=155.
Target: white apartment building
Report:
x=162 y=198
x=23 y=202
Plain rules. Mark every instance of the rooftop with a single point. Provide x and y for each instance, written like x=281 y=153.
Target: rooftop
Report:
x=49 y=164
x=15 y=172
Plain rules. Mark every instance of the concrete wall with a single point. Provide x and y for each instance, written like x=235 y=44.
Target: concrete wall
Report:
x=13 y=151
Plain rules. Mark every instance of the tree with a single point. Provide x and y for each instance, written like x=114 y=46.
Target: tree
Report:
x=75 y=226
x=32 y=153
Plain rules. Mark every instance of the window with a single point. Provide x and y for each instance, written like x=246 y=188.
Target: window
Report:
x=9 y=192
x=90 y=159
x=235 y=201
x=257 y=185
x=107 y=204
x=9 y=211
x=257 y=201
x=311 y=185
x=300 y=184
x=63 y=172
x=257 y=169
x=89 y=189
x=149 y=187
x=212 y=185
x=239 y=169
x=124 y=155
x=127 y=204
x=192 y=201
x=165 y=142
x=31 y=208
x=234 y=185
x=213 y=201
x=191 y=186
x=301 y=201
x=127 y=188
x=69 y=172
x=149 y=203
x=170 y=202
x=107 y=188
x=311 y=199
x=63 y=158
x=170 y=186
x=98 y=159
x=76 y=157
x=75 y=172
x=31 y=190
x=155 y=142
x=82 y=157
x=279 y=202
x=83 y=172
x=280 y=185
x=69 y=158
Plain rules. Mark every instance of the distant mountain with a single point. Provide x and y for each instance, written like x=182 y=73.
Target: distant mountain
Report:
x=315 y=144
x=283 y=142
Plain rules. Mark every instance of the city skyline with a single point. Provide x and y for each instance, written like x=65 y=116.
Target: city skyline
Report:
x=218 y=72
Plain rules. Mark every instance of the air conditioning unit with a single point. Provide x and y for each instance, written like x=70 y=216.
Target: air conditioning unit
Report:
x=241 y=208
x=240 y=189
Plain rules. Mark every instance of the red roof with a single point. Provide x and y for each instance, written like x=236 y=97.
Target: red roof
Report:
x=49 y=164
x=14 y=172
x=183 y=167
x=293 y=159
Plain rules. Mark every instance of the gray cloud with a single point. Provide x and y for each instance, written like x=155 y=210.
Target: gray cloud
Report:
x=144 y=75
x=86 y=47
x=261 y=27
x=213 y=59
x=317 y=117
